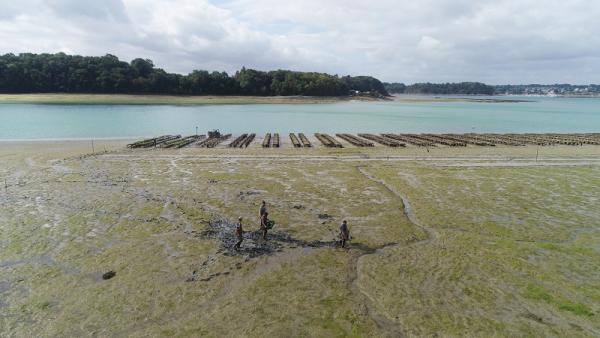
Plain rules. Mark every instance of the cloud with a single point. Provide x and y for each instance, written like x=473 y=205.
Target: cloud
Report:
x=496 y=41
x=105 y=10
x=428 y=44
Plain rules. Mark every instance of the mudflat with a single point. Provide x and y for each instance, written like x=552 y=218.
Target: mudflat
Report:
x=474 y=241
x=168 y=99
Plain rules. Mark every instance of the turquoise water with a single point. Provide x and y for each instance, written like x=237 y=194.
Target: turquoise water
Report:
x=32 y=121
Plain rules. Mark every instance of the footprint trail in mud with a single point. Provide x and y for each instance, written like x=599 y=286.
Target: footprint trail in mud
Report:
x=385 y=323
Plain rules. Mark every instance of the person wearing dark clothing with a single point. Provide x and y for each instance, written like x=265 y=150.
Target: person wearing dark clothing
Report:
x=239 y=232
x=262 y=210
x=344 y=233
x=263 y=224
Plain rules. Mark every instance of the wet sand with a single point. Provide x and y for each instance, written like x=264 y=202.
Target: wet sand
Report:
x=167 y=99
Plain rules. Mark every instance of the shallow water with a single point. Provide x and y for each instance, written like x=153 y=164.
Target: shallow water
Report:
x=540 y=114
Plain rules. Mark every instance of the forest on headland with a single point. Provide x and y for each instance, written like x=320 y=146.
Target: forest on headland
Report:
x=62 y=73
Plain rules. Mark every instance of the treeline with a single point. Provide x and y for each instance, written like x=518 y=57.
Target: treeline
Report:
x=62 y=73
x=462 y=88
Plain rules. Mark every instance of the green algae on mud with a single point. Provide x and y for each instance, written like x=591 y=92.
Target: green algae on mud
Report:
x=513 y=254
x=497 y=227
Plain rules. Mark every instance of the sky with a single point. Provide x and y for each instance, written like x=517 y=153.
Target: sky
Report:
x=492 y=41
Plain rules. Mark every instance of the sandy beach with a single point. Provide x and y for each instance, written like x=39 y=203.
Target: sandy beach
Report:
x=59 y=98
x=452 y=238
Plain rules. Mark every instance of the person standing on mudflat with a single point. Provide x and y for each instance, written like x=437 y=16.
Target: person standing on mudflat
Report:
x=239 y=232
x=264 y=224
x=262 y=210
x=344 y=233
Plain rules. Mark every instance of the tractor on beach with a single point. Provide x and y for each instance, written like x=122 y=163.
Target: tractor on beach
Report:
x=214 y=133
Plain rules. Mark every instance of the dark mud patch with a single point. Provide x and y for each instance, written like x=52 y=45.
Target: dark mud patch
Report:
x=108 y=275
x=206 y=279
x=532 y=316
x=244 y=194
x=254 y=245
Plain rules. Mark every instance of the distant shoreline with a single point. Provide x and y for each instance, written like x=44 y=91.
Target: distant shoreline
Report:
x=134 y=99
x=126 y=99
x=454 y=98
x=569 y=96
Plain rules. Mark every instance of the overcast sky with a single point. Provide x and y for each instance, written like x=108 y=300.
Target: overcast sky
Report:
x=494 y=41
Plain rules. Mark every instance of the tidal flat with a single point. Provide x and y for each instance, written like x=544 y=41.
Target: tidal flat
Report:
x=448 y=242
x=124 y=99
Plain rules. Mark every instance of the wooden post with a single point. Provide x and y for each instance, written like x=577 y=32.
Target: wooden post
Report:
x=93 y=146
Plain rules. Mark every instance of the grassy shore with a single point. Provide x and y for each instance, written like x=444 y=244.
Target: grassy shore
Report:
x=447 y=242
x=166 y=99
